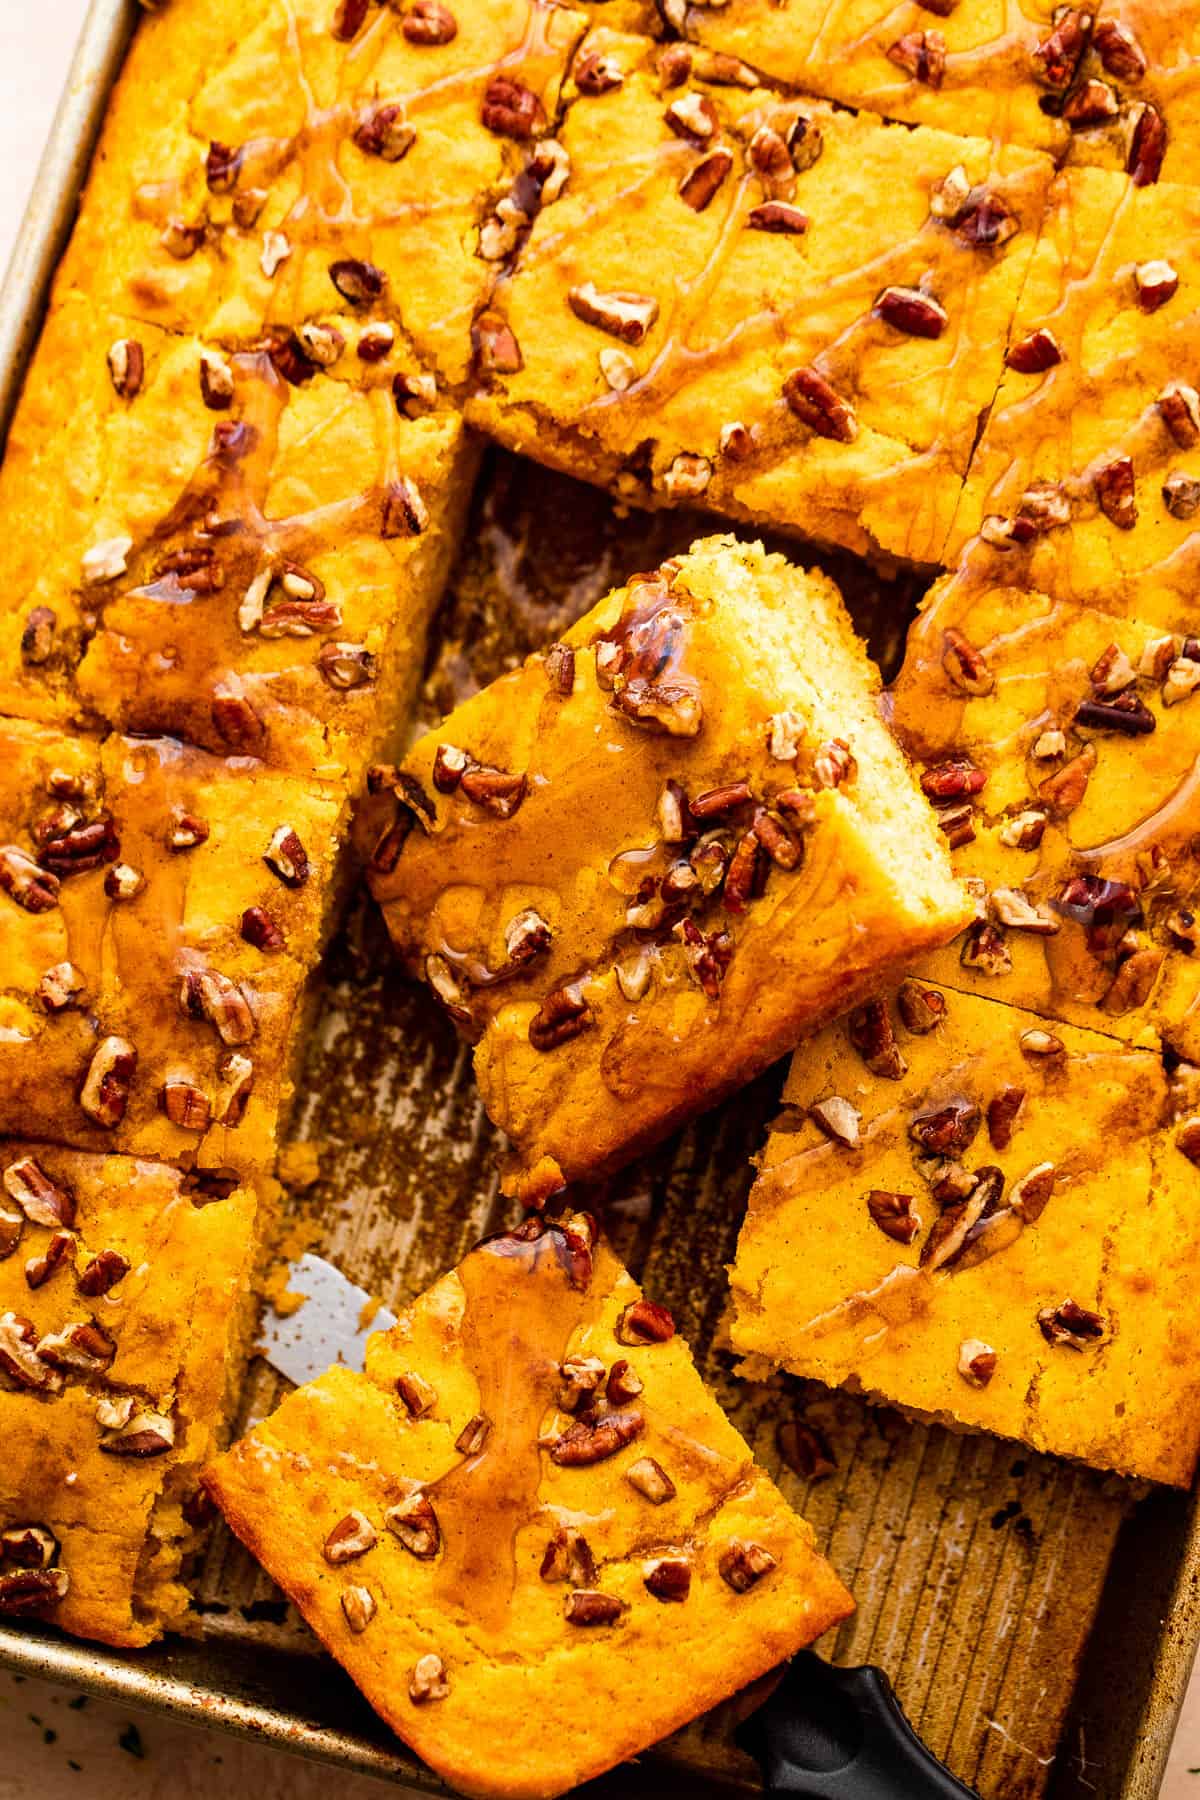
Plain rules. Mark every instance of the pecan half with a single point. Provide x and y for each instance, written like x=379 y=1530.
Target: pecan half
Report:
x=512 y=110
x=595 y=1440
x=819 y=406
x=42 y=1200
x=562 y=1015
x=1128 y=715
x=357 y=281
x=1147 y=145
x=910 y=310
x=429 y=22
x=1033 y=354
x=894 y=1214
x=24 y=1592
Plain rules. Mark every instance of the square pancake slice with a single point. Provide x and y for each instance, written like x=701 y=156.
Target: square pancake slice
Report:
x=528 y=1500
x=160 y=912
x=716 y=307
x=236 y=556
x=980 y=1219
x=318 y=158
x=123 y=1313
x=1086 y=480
x=1061 y=746
x=638 y=867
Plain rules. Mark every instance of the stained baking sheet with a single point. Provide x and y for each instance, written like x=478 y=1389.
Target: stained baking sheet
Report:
x=1037 y=1620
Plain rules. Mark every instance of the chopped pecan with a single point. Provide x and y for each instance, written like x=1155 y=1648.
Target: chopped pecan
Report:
x=587 y=1606
x=921 y=54
x=1071 y=1325
x=187 y=831
x=357 y=281
x=1155 y=282
x=374 y=341
x=358 y=1607
x=1119 y=50
x=624 y=1383
x=976 y=1362
x=1179 y=405
x=700 y=186
x=1181 y=495
x=559 y=662
x=81 y=848
x=102 y=1273
x=186 y=1105
x=287 y=857
x=1128 y=715
x=838 y=1120
x=29 y=1546
x=497 y=791
x=1133 y=982
x=235 y=1083
x=568 y=1557
x=1003 y=1109
x=404 y=512
x=894 y=1214
x=348 y=19
x=671 y=707
x=82 y=1348
x=1033 y=354
x=259 y=928
x=104 y=1095
x=985 y=949
x=61 y=987
x=921 y=1008
x=645 y=1322
x=688 y=476
x=581 y=1377
x=19 y=1357
x=651 y=1480
x=24 y=1592
x=872 y=1035
x=1057 y=56
x=321 y=344
x=1039 y=1042
x=1147 y=145
x=1093 y=102
x=34 y=889
x=512 y=110
x=43 y=1201
x=912 y=311
x=526 y=937
x=414 y=1522
x=946 y=1130
x=1064 y=790
x=496 y=349
x=693 y=116
x=668 y=1577
x=384 y=132
x=429 y=22
x=590 y=1441
x=474 y=1435
x=597 y=74
x=413 y=395
x=127 y=367
x=1116 y=492
x=819 y=406
x=1015 y=911
x=562 y=1015
x=349 y=1539
x=428 y=1680
x=743 y=1563
x=39 y=1269
x=966 y=667
x=778 y=216
x=208 y=994
x=1032 y=1194
x=623 y=315
x=951 y=779
x=418 y=1396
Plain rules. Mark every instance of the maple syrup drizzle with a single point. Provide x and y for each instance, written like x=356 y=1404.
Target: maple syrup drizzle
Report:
x=521 y=1311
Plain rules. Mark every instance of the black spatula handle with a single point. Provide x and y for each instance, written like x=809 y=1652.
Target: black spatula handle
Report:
x=838 y=1734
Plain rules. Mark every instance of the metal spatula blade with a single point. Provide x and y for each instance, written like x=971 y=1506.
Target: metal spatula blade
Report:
x=327 y=1328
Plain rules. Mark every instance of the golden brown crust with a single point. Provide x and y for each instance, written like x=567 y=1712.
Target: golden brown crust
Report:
x=492 y=1605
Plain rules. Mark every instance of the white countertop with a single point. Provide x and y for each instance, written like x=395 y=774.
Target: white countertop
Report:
x=54 y=1744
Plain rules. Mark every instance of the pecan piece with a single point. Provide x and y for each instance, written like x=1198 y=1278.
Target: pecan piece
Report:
x=497 y=791
x=623 y=315
x=286 y=856
x=34 y=889
x=743 y=1563
x=778 y=216
x=350 y=1538
x=126 y=367
x=701 y=184
x=920 y=1008
x=102 y=1273
x=562 y=1015
x=1147 y=146
x=418 y=1395
x=581 y=1376
x=597 y=74
x=819 y=406
x=587 y=1606
x=1119 y=51
x=428 y=1680
x=1057 y=56
x=386 y=133
x=1031 y=1195
x=1181 y=495
x=1127 y=715
x=83 y=1348
x=29 y=1546
x=1155 y=282
x=43 y=1201
x=966 y=667
x=651 y=1480
x=357 y=281
x=645 y=1322
x=872 y=1035
x=259 y=928
x=348 y=19
x=1038 y=351
x=25 y=1592
x=568 y=1557
x=694 y=117
x=1093 y=102
x=591 y=1441
x=1071 y=1325
x=976 y=1362
x=1064 y=790
x=838 y=1120
x=415 y=1523
x=429 y=22
x=496 y=349
x=951 y=779
x=946 y=1130
x=1002 y=1112
x=624 y=1383
x=1179 y=405
x=104 y=1095
x=984 y=948
x=667 y=1577
x=910 y=310
x=921 y=54
x=512 y=110
x=39 y=1269
x=185 y=1105
x=894 y=1214
x=358 y=1607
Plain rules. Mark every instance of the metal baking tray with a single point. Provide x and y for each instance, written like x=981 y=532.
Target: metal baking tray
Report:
x=1037 y=1620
